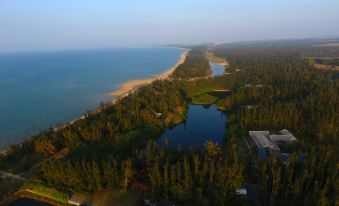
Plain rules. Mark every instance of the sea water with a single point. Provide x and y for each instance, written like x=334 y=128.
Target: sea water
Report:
x=40 y=90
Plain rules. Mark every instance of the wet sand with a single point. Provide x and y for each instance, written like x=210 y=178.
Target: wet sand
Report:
x=127 y=87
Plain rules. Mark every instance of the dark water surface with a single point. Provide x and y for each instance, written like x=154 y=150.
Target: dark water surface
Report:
x=28 y=202
x=202 y=124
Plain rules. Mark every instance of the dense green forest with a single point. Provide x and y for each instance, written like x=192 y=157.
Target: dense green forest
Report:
x=164 y=174
x=272 y=87
x=286 y=92
x=195 y=66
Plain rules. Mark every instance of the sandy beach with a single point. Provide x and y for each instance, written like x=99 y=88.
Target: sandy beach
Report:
x=127 y=87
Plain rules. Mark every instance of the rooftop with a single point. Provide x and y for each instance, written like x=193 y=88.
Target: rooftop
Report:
x=284 y=136
x=261 y=140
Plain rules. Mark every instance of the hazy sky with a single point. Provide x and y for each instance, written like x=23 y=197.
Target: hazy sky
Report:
x=75 y=24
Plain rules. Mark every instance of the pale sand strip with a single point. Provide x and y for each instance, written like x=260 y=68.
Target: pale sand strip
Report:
x=128 y=87
x=132 y=85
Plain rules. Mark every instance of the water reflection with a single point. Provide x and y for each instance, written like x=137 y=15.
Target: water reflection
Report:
x=203 y=123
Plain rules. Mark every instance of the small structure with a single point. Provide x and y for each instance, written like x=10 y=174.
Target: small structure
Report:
x=261 y=140
x=266 y=141
x=248 y=85
x=258 y=86
x=249 y=107
x=241 y=191
x=284 y=136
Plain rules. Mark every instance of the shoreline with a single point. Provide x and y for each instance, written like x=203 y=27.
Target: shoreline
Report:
x=127 y=87
x=132 y=85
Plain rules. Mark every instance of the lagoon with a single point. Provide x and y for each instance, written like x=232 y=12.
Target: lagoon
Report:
x=217 y=69
x=202 y=123
x=28 y=202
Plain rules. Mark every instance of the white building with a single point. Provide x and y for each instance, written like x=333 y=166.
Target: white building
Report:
x=263 y=139
x=284 y=136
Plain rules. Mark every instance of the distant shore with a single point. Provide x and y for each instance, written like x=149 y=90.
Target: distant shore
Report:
x=127 y=87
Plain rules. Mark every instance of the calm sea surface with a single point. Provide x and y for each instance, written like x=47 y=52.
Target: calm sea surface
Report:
x=39 y=90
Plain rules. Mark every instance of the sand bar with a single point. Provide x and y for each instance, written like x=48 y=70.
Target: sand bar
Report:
x=132 y=85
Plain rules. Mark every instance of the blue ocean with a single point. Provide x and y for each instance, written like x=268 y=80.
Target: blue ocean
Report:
x=40 y=90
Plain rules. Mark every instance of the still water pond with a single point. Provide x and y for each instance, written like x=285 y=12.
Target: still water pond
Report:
x=28 y=202
x=217 y=69
x=202 y=124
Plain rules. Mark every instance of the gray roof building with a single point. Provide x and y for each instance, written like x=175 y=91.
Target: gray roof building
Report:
x=261 y=140
x=284 y=136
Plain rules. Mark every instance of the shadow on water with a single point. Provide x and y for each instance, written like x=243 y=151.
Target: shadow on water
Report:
x=28 y=202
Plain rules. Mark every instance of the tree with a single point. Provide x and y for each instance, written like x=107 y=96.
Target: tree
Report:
x=128 y=172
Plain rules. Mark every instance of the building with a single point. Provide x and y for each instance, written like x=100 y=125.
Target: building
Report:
x=241 y=191
x=261 y=140
x=284 y=136
x=270 y=142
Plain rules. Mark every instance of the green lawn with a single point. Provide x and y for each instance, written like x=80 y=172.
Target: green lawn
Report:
x=204 y=99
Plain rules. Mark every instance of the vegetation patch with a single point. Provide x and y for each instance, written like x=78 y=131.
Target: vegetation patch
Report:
x=195 y=66
x=116 y=198
x=38 y=191
x=215 y=59
x=204 y=99
x=332 y=61
x=45 y=191
x=176 y=117
x=115 y=149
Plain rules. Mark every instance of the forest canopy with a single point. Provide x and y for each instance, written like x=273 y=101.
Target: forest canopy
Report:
x=272 y=87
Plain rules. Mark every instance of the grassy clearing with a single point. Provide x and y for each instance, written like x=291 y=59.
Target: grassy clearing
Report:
x=35 y=191
x=215 y=59
x=204 y=99
x=202 y=89
x=178 y=116
x=41 y=190
x=220 y=104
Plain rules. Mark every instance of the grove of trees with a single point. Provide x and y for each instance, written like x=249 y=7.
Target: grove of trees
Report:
x=272 y=88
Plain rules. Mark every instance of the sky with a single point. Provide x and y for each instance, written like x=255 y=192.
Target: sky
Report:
x=34 y=25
